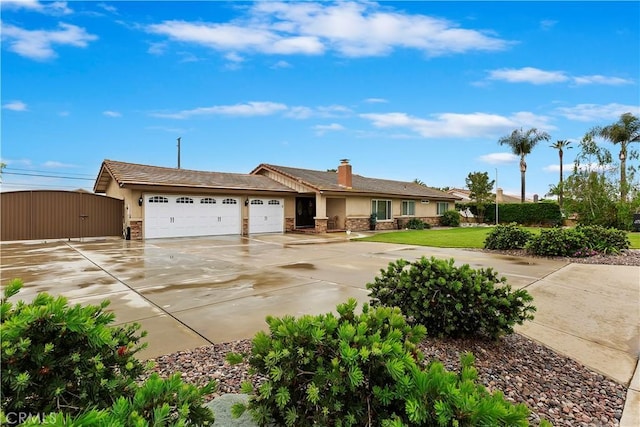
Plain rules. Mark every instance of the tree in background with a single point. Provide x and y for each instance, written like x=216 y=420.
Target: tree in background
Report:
x=480 y=191
x=625 y=131
x=561 y=145
x=521 y=143
x=419 y=182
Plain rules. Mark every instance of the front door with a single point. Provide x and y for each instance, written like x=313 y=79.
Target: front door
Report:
x=305 y=212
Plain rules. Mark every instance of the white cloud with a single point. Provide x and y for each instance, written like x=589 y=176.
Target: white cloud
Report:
x=109 y=113
x=353 y=29
x=547 y=24
x=38 y=44
x=597 y=112
x=499 y=158
x=281 y=64
x=601 y=80
x=556 y=168
x=51 y=8
x=322 y=129
x=15 y=106
x=376 y=101
x=108 y=7
x=454 y=125
x=528 y=75
x=299 y=112
x=157 y=48
x=55 y=164
x=243 y=110
x=234 y=57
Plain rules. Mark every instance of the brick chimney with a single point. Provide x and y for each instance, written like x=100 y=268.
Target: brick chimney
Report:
x=344 y=174
x=500 y=196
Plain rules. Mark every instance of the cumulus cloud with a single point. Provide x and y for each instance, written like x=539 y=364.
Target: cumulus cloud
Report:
x=353 y=29
x=499 y=158
x=322 y=129
x=109 y=113
x=15 y=106
x=455 y=125
x=38 y=44
x=242 y=110
x=597 y=112
x=528 y=75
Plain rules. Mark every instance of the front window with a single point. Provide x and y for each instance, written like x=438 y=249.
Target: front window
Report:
x=382 y=209
x=408 y=208
x=442 y=207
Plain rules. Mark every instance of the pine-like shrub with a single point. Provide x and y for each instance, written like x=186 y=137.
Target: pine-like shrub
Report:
x=66 y=361
x=452 y=301
x=363 y=370
x=605 y=240
x=157 y=402
x=450 y=219
x=567 y=242
x=509 y=236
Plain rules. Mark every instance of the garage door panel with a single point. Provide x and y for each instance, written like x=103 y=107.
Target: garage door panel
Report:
x=266 y=215
x=190 y=216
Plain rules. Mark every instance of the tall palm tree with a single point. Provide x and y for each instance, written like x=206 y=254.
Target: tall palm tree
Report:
x=561 y=145
x=521 y=143
x=625 y=131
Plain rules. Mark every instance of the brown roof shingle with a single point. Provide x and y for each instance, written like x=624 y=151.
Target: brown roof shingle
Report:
x=136 y=174
x=328 y=181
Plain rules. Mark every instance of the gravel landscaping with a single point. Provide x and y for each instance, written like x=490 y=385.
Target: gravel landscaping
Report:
x=553 y=386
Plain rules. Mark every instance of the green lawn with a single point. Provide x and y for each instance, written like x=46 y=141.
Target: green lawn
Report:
x=462 y=237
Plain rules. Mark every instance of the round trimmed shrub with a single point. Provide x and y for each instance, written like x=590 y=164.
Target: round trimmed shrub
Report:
x=450 y=219
x=508 y=236
x=452 y=301
x=568 y=242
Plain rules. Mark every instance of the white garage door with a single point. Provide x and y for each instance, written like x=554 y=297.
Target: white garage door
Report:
x=188 y=216
x=266 y=216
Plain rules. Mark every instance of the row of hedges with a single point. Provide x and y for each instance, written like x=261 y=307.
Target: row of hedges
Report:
x=582 y=241
x=541 y=214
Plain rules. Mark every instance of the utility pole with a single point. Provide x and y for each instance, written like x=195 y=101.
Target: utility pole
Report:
x=179 y=152
x=496 y=196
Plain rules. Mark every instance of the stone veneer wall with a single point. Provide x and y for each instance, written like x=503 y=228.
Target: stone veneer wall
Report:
x=136 y=230
x=245 y=226
x=357 y=224
x=289 y=224
x=321 y=225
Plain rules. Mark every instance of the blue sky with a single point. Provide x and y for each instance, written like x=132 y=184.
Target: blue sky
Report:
x=404 y=90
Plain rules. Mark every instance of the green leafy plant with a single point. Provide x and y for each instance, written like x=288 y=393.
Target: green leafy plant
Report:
x=417 y=224
x=451 y=301
x=363 y=370
x=605 y=240
x=508 y=236
x=558 y=242
x=450 y=219
x=373 y=219
x=70 y=363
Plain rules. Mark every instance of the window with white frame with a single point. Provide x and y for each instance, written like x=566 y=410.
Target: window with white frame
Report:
x=408 y=208
x=382 y=209
x=442 y=208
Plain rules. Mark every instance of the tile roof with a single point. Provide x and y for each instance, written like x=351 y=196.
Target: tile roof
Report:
x=328 y=181
x=136 y=174
x=465 y=194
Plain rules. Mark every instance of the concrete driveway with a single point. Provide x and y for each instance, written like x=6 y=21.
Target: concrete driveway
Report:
x=190 y=292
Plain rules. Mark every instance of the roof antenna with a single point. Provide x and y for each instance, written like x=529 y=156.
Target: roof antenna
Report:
x=179 y=152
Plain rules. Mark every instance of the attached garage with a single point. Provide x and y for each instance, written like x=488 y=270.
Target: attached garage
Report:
x=168 y=215
x=266 y=215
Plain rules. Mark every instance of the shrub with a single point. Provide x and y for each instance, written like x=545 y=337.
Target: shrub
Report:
x=605 y=240
x=507 y=237
x=363 y=370
x=451 y=301
x=58 y=358
x=543 y=213
x=450 y=219
x=567 y=242
x=417 y=224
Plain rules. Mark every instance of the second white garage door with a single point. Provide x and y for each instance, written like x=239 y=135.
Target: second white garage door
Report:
x=266 y=215
x=188 y=216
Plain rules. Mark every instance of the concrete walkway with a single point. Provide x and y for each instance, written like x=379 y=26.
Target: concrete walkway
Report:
x=191 y=292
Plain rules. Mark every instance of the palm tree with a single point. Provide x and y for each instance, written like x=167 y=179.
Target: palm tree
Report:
x=521 y=143
x=561 y=145
x=623 y=132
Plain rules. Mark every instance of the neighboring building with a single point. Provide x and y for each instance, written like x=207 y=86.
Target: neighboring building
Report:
x=464 y=195
x=169 y=202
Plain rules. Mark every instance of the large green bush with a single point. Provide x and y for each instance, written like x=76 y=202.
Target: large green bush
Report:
x=581 y=241
x=537 y=214
x=363 y=370
x=605 y=240
x=69 y=361
x=417 y=224
x=450 y=219
x=451 y=301
x=508 y=236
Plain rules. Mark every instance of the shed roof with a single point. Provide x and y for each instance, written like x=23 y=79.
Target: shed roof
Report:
x=127 y=174
x=327 y=181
